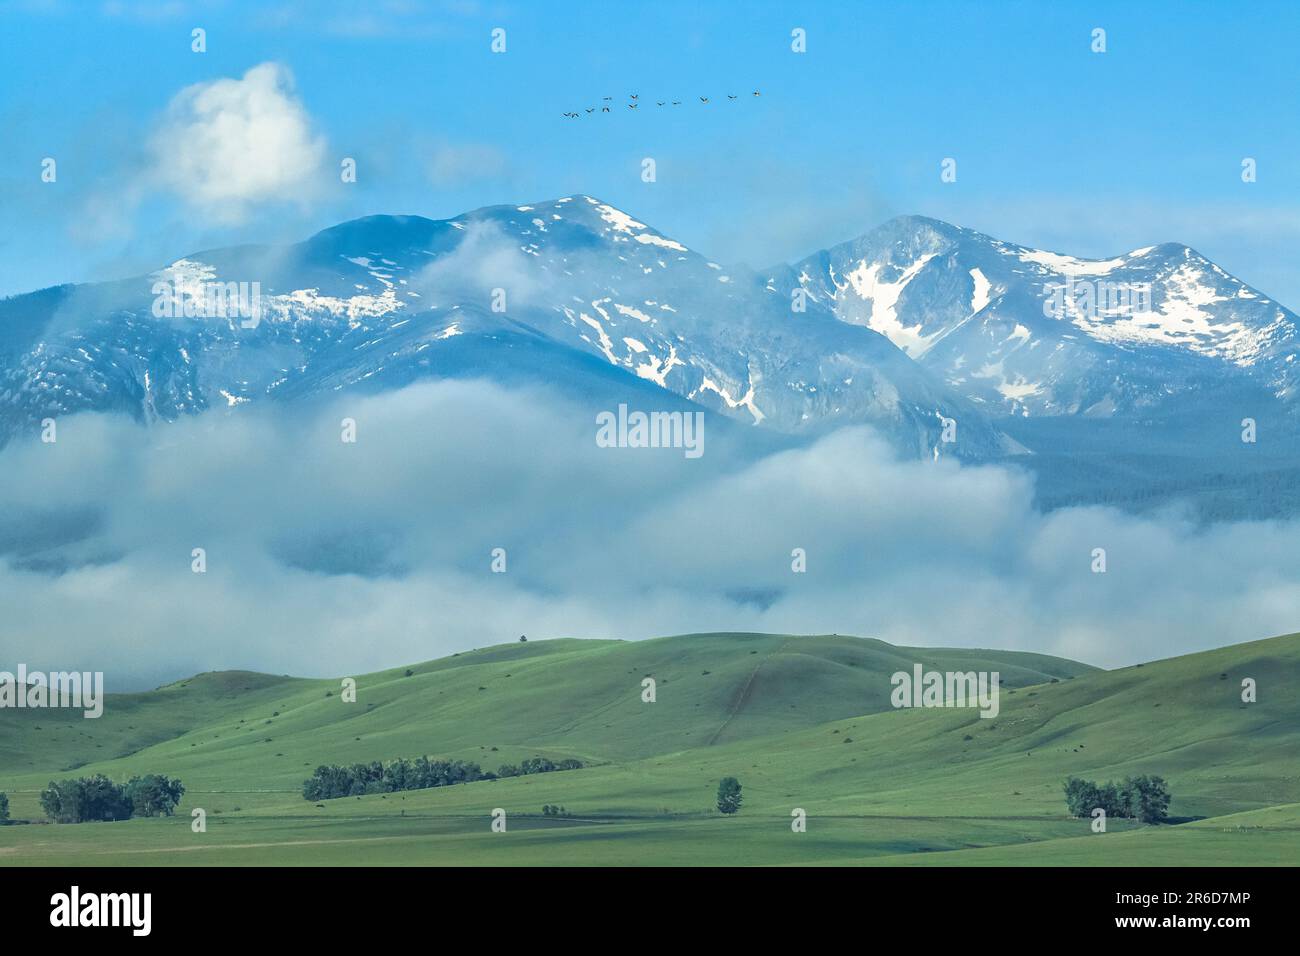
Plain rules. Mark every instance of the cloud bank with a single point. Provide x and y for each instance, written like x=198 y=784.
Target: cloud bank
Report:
x=326 y=558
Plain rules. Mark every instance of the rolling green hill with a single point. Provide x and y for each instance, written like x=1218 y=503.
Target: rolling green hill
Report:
x=564 y=697
x=802 y=721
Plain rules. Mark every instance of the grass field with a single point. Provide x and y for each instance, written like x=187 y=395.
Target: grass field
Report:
x=803 y=722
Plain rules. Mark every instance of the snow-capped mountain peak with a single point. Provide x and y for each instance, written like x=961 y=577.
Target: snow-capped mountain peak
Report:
x=1029 y=331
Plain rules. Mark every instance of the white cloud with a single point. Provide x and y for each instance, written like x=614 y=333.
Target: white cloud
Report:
x=227 y=144
x=332 y=558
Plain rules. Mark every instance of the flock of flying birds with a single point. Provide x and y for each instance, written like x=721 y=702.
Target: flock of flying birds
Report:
x=605 y=106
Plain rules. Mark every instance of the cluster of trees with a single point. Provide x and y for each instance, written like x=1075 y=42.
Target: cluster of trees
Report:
x=1138 y=798
x=537 y=765
x=554 y=810
x=87 y=799
x=329 y=782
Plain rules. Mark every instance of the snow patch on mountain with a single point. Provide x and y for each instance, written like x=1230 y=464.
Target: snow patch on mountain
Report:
x=619 y=220
x=882 y=294
x=1069 y=265
x=187 y=277
x=746 y=401
x=650 y=239
x=303 y=304
x=980 y=296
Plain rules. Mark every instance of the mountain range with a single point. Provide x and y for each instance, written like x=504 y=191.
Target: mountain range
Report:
x=990 y=320
x=915 y=325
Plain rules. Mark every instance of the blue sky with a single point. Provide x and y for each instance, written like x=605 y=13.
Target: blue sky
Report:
x=1056 y=146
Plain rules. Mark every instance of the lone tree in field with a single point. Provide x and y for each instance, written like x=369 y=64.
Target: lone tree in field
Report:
x=728 y=795
x=4 y=808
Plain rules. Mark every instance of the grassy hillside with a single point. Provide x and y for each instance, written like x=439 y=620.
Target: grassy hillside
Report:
x=803 y=722
x=565 y=697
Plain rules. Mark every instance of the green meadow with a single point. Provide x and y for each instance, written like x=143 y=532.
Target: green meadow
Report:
x=803 y=721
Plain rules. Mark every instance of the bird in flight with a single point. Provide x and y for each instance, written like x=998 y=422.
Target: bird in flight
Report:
x=631 y=106
x=730 y=97
x=756 y=92
x=610 y=97
x=659 y=104
x=677 y=102
x=704 y=99
x=604 y=109
x=571 y=115
x=633 y=95
x=591 y=109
